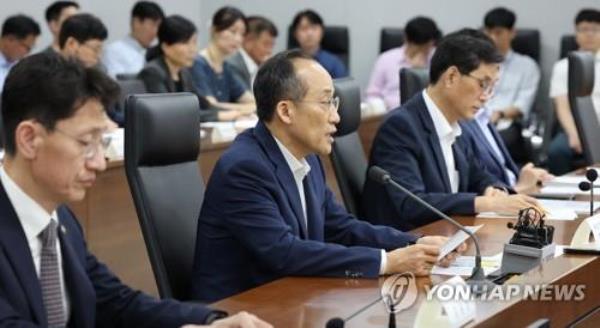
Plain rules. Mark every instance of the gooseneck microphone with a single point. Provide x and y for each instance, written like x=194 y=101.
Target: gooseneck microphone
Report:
x=591 y=175
x=477 y=280
x=339 y=322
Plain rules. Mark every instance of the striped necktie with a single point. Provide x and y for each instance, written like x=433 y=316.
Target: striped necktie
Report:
x=50 y=277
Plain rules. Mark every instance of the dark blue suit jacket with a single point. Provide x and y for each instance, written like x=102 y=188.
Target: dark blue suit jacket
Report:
x=251 y=228
x=97 y=297
x=408 y=147
x=485 y=153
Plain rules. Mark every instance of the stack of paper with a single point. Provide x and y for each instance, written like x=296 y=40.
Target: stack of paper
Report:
x=558 y=214
x=579 y=207
x=463 y=266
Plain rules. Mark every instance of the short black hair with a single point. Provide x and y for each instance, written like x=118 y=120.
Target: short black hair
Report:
x=147 y=10
x=587 y=15
x=48 y=88
x=172 y=29
x=464 y=51
x=310 y=15
x=225 y=17
x=20 y=26
x=500 y=17
x=55 y=9
x=258 y=24
x=82 y=27
x=276 y=80
x=421 y=30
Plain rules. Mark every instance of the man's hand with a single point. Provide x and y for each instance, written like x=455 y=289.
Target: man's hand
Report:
x=529 y=177
x=240 y=320
x=504 y=204
x=575 y=143
x=418 y=259
x=440 y=241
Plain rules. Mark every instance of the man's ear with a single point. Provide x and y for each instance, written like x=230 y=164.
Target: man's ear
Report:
x=451 y=76
x=28 y=139
x=285 y=111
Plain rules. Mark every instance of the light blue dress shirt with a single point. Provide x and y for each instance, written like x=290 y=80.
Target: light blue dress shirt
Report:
x=125 y=56
x=5 y=67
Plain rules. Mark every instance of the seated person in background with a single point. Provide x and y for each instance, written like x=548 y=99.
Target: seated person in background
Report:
x=420 y=144
x=213 y=76
x=566 y=145
x=128 y=55
x=517 y=86
x=53 y=110
x=268 y=212
x=421 y=34
x=168 y=68
x=308 y=28
x=19 y=34
x=489 y=148
x=81 y=38
x=256 y=48
x=56 y=14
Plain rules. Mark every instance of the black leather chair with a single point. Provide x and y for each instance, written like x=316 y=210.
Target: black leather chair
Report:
x=391 y=37
x=347 y=155
x=412 y=81
x=581 y=84
x=129 y=87
x=336 y=40
x=567 y=44
x=527 y=42
x=162 y=143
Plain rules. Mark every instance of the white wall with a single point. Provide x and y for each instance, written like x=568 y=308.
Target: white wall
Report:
x=364 y=18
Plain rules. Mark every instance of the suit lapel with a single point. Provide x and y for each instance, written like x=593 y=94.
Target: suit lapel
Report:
x=18 y=254
x=481 y=139
x=433 y=140
x=462 y=166
x=314 y=218
x=284 y=174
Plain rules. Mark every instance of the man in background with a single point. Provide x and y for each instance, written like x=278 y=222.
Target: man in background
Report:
x=56 y=14
x=18 y=37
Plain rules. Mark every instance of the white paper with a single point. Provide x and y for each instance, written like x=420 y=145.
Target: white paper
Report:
x=579 y=207
x=567 y=191
x=572 y=180
x=463 y=266
x=555 y=214
x=458 y=312
x=455 y=241
x=116 y=148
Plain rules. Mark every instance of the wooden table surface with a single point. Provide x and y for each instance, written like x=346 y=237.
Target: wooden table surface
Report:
x=310 y=302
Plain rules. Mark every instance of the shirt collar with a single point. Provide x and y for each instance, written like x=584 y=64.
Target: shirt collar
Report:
x=443 y=128
x=300 y=168
x=4 y=62
x=129 y=39
x=250 y=63
x=33 y=217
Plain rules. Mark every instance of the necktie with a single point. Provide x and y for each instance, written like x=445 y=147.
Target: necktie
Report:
x=50 y=278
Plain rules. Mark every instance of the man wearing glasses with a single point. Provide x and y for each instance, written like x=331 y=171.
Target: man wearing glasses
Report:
x=268 y=212
x=420 y=143
x=53 y=111
x=19 y=34
x=82 y=37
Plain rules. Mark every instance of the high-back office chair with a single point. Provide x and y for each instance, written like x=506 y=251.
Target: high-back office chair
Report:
x=336 y=39
x=347 y=154
x=391 y=37
x=527 y=42
x=581 y=84
x=567 y=44
x=412 y=81
x=162 y=142
x=129 y=87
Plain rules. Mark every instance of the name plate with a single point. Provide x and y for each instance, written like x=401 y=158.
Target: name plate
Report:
x=589 y=226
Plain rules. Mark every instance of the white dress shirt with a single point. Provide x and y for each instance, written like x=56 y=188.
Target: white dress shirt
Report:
x=300 y=169
x=125 y=56
x=5 y=67
x=34 y=219
x=447 y=134
x=250 y=65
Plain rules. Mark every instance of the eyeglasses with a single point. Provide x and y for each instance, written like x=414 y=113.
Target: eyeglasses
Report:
x=486 y=85
x=96 y=49
x=90 y=148
x=589 y=29
x=332 y=104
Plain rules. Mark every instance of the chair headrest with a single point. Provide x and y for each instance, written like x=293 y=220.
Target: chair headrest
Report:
x=527 y=42
x=162 y=129
x=349 y=92
x=391 y=37
x=567 y=44
x=581 y=73
x=335 y=39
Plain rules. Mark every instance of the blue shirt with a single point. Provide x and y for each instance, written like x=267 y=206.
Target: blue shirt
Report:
x=331 y=63
x=224 y=86
x=483 y=118
x=125 y=56
x=5 y=67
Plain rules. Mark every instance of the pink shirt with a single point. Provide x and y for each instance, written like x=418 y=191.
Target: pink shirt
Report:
x=385 y=79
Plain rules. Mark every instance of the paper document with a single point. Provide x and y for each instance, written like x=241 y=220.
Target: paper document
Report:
x=555 y=214
x=558 y=190
x=579 y=207
x=572 y=180
x=463 y=266
x=455 y=241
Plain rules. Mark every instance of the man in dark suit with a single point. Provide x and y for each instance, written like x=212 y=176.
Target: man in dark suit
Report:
x=53 y=111
x=420 y=143
x=268 y=212
x=256 y=49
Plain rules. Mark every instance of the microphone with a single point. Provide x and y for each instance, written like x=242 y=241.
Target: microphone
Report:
x=477 y=280
x=591 y=175
x=339 y=322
